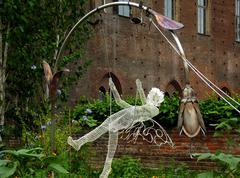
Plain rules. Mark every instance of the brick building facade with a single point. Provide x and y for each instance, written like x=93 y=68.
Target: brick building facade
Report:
x=210 y=39
x=127 y=51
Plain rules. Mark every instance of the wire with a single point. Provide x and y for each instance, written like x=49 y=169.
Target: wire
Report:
x=197 y=72
x=182 y=52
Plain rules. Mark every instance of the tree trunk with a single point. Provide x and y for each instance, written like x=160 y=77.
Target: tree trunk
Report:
x=3 y=63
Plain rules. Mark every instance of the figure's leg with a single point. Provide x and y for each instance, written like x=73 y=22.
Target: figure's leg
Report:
x=89 y=137
x=112 y=145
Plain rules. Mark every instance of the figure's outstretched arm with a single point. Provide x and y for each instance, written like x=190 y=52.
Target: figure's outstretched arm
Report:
x=116 y=95
x=141 y=91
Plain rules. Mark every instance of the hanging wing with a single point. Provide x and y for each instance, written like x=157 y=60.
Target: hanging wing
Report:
x=54 y=82
x=200 y=119
x=167 y=23
x=47 y=72
x=153 y=133
x=180 y=116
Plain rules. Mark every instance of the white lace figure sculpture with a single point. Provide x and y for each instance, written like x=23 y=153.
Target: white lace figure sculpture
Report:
x=127 y=119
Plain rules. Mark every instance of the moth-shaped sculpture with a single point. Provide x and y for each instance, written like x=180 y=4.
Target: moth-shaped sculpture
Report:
x=190 y=119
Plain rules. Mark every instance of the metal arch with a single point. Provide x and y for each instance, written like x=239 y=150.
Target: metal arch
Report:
x=160 y=19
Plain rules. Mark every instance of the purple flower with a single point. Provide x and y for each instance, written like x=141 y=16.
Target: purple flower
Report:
x=88 y=111
x=85 y=117
x=43 y=127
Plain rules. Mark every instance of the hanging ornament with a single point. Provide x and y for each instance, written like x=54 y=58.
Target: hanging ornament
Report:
x=190 y=119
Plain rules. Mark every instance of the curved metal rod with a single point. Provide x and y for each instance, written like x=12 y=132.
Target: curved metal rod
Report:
x=198 y=73
x=163 y=21
x=180 y=48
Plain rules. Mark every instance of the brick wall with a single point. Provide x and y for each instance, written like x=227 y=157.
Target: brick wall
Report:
x=135 y=51
x=152 y=156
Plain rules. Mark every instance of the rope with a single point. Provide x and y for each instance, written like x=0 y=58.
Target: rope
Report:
x=108 y=64
x=137 y=57
x=198 y=73
x=70 y=152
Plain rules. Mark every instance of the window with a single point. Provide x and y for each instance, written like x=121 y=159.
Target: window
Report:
x=202 y=16
x=169 y=8
x=124 y=10
x=237 y=20
x=173 y=88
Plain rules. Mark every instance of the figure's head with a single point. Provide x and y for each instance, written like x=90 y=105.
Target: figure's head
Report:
x=155 y=97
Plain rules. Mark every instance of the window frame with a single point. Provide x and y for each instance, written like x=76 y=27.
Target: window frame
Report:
x=125 y=10
x=203 y=26
x=237 y=21
x=170 y=12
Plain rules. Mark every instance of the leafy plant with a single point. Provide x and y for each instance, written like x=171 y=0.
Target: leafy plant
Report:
x=229 y=165
x=126 y=167
x=46 y=24
x=28 y=162
x=214 y=111
x=226 y=126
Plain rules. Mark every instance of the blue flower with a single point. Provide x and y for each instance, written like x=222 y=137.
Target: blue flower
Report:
x=85 y=117
x=33 y=67
x=59 y=92
x=88 y=111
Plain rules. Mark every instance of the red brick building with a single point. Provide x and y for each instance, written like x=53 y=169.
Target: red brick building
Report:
x=210 y=38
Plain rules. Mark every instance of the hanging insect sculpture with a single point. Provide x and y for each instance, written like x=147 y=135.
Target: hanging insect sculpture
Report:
x=190 y=119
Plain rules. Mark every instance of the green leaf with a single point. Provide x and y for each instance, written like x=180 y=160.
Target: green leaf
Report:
x=7 y=172
x=12 y=152
x=202 y=156
x=205 y=175
x=218 y=134
x=4 y=162
x=58 y=168
x=229 y=159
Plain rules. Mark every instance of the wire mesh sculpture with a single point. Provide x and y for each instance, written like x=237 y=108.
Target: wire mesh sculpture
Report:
x=129 y=118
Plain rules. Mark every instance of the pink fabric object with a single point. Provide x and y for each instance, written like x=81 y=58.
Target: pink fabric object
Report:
x=167 y=23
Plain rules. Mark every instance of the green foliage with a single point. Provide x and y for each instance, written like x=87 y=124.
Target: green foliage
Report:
x=214 y=112
x=34 y=27
x=126 y=167
x=229 y=165
x=75 y=162
x=171 y=170
x=101 y=110
x=168 y=111
x=28 y=162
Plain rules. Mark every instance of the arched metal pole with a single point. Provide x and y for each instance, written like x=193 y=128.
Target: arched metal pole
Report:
x=162 y=20
x=182 y=53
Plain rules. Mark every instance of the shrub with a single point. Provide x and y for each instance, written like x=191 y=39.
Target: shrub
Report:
x=228 y=165
x=214 y=111
x=126 y=167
